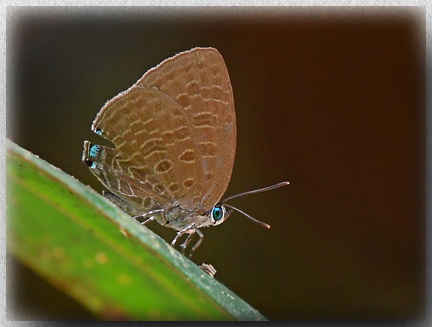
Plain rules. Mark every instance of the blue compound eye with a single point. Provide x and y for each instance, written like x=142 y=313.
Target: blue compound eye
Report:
x=217 y=213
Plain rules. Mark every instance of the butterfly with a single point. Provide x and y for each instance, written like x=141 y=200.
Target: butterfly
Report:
x=174 y=136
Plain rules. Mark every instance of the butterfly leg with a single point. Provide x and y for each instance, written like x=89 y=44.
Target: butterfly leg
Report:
x=186 y=242
x=181 y=232
x=191 y=230
x=197 y=244
x=146 y=221
x=147 y=214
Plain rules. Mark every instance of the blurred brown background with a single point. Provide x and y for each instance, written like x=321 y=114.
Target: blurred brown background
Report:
x=330 y=100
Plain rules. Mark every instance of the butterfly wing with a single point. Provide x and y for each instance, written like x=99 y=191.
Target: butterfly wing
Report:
x=150 y=134
x=174 y=134
x=198 y=81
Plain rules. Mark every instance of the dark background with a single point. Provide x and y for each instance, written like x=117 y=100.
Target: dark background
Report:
x=331 y=100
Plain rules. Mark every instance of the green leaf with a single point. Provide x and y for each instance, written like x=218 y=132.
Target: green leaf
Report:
x=98 y=255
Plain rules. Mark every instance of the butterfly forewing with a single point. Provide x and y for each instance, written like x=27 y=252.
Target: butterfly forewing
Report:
x=198 y=81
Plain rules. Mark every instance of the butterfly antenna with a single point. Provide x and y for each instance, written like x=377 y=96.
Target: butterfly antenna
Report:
x=248 y=216
x=268 y=188
x=264 y=189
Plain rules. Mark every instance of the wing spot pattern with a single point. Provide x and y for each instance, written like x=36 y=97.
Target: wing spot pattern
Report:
x=135 y=122
x=151 y=146
x=168 y=138
x=174 y=187
x=182 y=133
x=212 y=92
x=188 y=156
x=176 y=112
x=208 y=149
x=163 y=166
x=188 y=183
x=183 y=99
x=204 y=119
x=156 y=152
x=142 y=127
x=149 y=120
x=141 y=131
x=192 y=87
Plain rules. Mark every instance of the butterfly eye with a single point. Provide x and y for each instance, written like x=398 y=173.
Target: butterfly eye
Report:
x=217 y=214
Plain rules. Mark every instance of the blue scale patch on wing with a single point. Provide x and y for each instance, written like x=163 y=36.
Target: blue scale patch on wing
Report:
x=94 y=150
x=91 y=154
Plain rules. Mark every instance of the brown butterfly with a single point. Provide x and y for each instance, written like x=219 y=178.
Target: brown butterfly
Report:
x=174 y=133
